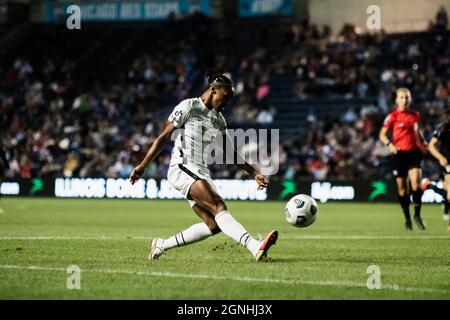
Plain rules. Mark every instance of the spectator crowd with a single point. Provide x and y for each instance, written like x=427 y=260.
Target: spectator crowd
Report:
x=56 y=120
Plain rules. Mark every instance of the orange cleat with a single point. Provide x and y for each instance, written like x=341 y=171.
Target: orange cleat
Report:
x=268 y=241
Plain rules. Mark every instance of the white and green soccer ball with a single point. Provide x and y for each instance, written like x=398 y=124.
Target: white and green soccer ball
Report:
x=301 y=211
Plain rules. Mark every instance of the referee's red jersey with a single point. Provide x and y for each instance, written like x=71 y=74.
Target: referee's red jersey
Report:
x=404 y=125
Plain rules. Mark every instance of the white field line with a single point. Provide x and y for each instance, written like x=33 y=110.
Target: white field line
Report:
x=361 y=237
x=333 y=283
x=288 y=237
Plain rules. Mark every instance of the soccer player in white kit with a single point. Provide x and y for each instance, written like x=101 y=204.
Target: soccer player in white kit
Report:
x=202 y=120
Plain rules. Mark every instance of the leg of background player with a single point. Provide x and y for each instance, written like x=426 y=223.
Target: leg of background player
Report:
x=403 y=199
x=447 y=187
x=415 y=177
x=1 y=210
x=445 y=196
x=427 y=184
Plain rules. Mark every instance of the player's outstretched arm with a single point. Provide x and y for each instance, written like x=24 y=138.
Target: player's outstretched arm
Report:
x=154 y=150
x=260 y=179
x=435 y=152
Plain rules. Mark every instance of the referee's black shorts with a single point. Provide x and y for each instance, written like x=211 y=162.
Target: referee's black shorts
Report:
x=403 y=161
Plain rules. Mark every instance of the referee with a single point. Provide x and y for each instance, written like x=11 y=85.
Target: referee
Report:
x=407 y=142
x=442 y=137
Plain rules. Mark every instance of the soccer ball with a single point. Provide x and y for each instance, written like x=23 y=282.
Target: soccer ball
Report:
x=301 y=211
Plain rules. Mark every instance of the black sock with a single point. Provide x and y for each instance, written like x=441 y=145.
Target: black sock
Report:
x=446 y=205
x=417 y=201
x=404 y=203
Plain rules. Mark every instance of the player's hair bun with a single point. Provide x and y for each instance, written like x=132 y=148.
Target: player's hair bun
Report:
x=218 y=79
x=212 y=75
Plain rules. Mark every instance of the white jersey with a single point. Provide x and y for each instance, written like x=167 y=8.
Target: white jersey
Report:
x=201 y=127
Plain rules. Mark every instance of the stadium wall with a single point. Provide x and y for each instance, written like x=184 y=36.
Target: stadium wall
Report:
x=230 y=189
x=396 y=15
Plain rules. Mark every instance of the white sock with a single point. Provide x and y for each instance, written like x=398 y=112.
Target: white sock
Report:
x=192 y=234
x=236 y=231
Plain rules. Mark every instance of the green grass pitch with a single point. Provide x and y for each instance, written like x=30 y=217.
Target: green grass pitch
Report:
x=109 y=241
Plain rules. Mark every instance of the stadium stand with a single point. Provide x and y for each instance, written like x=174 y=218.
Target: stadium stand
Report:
x=90 y=103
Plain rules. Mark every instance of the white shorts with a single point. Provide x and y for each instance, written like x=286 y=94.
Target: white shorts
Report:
x=182 y=176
